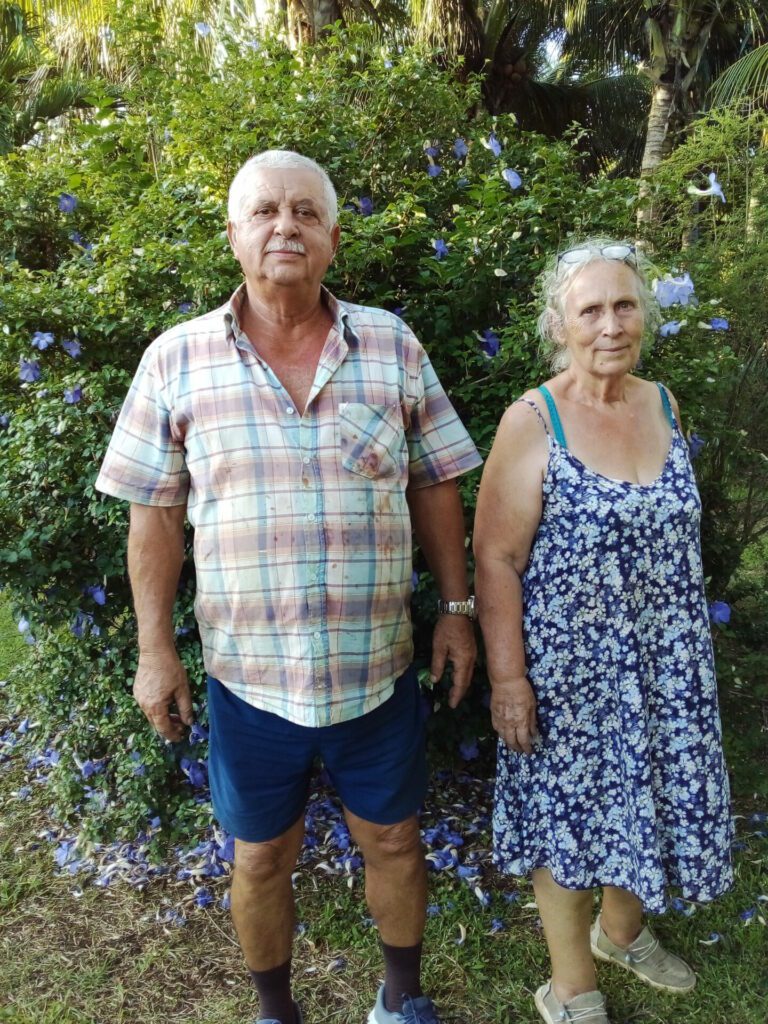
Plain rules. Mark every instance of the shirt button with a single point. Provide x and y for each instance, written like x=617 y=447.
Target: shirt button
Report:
x=318 y=636
x=311 y=517
x=306 y=460
x=289 y=410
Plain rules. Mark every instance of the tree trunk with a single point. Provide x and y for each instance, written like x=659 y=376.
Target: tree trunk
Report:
x=662 y=99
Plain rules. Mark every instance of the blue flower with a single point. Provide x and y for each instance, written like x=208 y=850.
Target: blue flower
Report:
x=98 y=593
x=715 y=189
x=512 y=178
x=226 y=851
x=29 y=370
x=494 y=145
x=23 y=625
x=67 y=203
x=695 y=444
x=196 y=772
x=670 y=328
x=203 y=29
x=490 y=344
x=460 y=149
x=203 y=897
x=71 y=347
x=432 y=151
x=387 y=64
x=253 y=44
x=73 y=395
x=366 y=206
x=441 y=249
x=414 y=580
x=469 y=750
x=497 y=925
x=720 y=613
x=90 y=768
x=747 y=915
x=197 y=733
x=719 y=323
x=42 y=340
x=186 y=307
x=670 y=290
x=226 y=901
x=5 y=420
x=434 y=169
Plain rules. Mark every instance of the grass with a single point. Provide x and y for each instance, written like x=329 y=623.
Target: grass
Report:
x=93 y=956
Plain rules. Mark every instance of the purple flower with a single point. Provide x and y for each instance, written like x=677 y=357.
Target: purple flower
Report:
x=512 y=178
x=71 y=347
x=186 y=307
x=90 y=768
x=433 y=170
x=226 y=851
x=719 y=323
x=460 y=149
x=98 y=593
x=196 y=772
x=366 y=206
x=432 y=151
x=197 y=733
x=695 y=444
x=670 y=328
x=79 y=626
x=720 y=613
x=441 y=249
x=469 y=750
x=670 y=290
x=42 y=340
x=203 y=29
x=29 y=370
x=494 y=145
x=747 y=915
x=497 y=925
x=73 y=395
x=67 y=203
x=490 y=344
x=5 y=420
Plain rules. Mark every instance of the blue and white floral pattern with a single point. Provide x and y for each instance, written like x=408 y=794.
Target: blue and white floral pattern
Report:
x=627 y=786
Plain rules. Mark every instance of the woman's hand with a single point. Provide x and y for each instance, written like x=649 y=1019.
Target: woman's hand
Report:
x=513 y=713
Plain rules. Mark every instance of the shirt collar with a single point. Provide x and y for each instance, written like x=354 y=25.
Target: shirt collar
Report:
x=234 y=306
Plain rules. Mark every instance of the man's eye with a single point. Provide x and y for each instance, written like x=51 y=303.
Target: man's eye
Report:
x=306 y=212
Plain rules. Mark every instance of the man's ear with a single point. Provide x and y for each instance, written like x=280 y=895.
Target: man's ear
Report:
x=232 y=236
x=335 y=235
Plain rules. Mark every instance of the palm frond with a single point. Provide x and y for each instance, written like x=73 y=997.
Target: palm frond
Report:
x=746 y=79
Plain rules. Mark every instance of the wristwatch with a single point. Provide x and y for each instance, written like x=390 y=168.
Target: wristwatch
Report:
x=457 y=607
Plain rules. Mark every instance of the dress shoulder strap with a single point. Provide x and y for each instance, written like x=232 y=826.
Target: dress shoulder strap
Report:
x=667 y=405
x=557 y=426
x=527 y=401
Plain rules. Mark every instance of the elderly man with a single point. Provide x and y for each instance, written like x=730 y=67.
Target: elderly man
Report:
x=301 y=436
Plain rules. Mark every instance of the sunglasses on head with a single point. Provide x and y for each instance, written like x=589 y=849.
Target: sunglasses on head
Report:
x=582 y=253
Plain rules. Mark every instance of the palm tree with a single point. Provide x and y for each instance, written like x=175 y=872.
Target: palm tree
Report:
x=32 y=88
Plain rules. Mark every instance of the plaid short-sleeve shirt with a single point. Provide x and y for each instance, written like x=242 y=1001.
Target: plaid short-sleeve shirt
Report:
x=302 y=533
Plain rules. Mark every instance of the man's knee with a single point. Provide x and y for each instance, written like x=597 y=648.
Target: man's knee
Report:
x=264 y=863
x=398 y=842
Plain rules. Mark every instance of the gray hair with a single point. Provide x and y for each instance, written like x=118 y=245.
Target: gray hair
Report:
x=242 y=182
x=556 y=280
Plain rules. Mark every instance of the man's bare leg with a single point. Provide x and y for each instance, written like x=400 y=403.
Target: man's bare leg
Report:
x=264 y=916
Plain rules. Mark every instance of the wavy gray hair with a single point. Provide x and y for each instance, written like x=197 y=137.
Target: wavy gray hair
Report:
x=242 y=182
x=557 y=278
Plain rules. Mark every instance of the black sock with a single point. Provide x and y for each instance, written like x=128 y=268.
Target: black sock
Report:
x=402 y=976
x=274 y=988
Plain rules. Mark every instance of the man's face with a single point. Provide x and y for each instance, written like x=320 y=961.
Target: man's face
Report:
x=282 y=235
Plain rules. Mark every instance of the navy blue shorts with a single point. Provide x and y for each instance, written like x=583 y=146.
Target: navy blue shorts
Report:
x=260 y=765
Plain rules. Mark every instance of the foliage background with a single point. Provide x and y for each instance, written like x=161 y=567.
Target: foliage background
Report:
x=144 y=246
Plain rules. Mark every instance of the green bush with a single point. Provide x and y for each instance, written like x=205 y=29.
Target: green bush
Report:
x=144 y=246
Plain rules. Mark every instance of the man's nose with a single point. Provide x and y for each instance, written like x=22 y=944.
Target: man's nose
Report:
x=286 y=224
x=612 y=323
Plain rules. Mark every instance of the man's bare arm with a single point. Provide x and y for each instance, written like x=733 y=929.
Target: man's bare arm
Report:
x=155 y=557
x=438 y=522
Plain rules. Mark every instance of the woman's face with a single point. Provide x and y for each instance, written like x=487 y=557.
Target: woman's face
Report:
x=603 y=320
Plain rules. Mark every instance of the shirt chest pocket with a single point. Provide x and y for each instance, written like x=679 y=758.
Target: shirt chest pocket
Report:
x=372 y=439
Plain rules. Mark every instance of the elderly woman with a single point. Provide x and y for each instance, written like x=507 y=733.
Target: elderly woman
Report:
x=591 y=601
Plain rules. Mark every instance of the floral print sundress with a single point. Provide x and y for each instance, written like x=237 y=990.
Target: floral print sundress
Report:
x=627 y=786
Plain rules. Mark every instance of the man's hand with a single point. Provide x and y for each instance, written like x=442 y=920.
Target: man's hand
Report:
x=454 y=640
x=161 y=681
x=513 y=713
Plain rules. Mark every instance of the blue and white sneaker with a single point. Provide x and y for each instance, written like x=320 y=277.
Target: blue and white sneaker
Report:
x=415 y=1011
x=298 y=1019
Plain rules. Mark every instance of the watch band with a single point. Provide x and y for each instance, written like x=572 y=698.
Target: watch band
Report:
x=457 y=607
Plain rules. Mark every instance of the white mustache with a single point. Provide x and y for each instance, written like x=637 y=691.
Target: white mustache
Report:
x=285 y=245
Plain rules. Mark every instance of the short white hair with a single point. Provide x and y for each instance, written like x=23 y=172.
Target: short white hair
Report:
x=556 y=280
x=242 y=182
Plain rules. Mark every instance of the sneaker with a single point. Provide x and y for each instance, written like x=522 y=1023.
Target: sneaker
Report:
x=298 y=1019
x=587 y=1008
x=646 y=958
x=420 y=1010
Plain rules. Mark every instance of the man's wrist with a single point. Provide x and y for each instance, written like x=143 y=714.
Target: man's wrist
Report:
x=465 y=607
